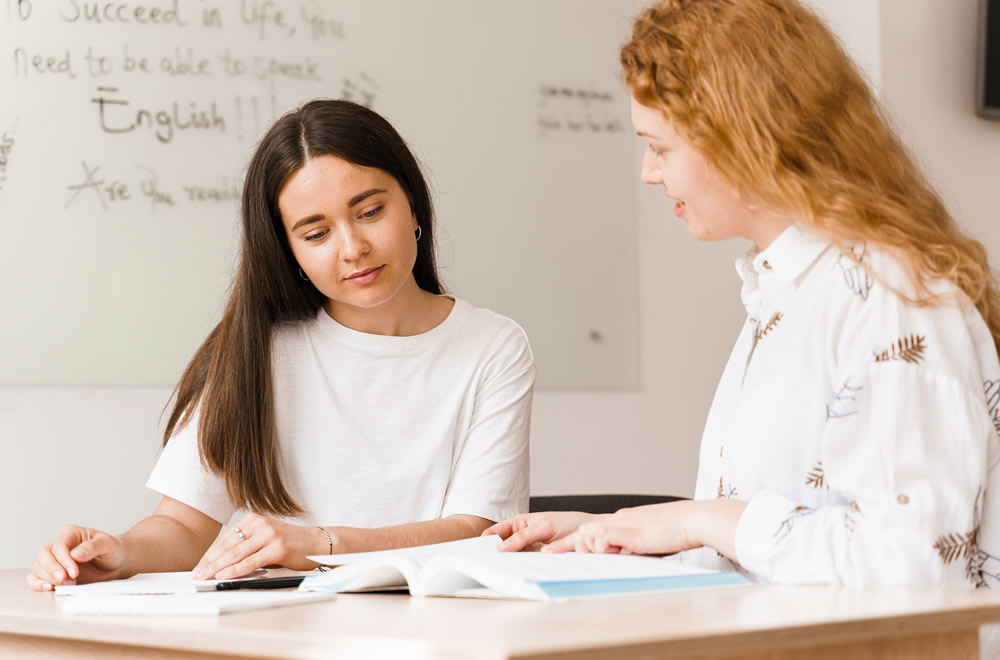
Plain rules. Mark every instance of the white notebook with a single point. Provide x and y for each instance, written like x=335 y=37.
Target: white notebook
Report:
x=147 y=583
x=214 y=602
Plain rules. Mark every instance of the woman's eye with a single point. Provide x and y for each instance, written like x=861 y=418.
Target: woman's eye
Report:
x=317 y=235
x=656 y=152
x=368 y=215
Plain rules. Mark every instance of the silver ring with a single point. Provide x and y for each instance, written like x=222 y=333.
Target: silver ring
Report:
x=239 y=533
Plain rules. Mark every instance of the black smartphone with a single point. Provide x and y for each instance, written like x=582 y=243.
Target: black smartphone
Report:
x=262 y=583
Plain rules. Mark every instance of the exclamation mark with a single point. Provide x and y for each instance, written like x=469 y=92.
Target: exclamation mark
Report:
x=239 y=117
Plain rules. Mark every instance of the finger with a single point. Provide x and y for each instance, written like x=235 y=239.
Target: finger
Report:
x=93 y=548
x=226 y=542
x=61 y=554
x=44 y=575
x=523 y=538
x=247 y=557
x=245 y=566
x=37 y=583
x=47 y=568
x=622 y=537
x=599 y=543
x=565 y=544
x=238 y=549
x=200 y=571
x=503 y=529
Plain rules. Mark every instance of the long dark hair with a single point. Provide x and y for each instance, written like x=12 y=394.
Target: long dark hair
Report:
x=229 y=379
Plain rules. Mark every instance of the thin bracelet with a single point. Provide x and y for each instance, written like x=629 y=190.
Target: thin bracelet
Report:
x=328 y=539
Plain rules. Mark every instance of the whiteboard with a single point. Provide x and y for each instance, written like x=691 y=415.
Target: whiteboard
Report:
x=125 y=128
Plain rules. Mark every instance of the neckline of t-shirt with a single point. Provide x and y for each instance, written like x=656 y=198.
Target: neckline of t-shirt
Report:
x=368 y=340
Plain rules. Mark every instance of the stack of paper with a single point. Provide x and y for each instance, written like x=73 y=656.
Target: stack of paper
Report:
x=170 y=593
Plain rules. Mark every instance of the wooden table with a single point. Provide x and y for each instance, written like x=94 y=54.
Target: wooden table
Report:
x=741 y=623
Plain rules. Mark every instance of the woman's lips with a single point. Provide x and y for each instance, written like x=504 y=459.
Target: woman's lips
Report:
x=366 y=276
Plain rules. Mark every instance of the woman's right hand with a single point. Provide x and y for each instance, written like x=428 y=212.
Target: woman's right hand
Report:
x=77 y=555
x=531 y=531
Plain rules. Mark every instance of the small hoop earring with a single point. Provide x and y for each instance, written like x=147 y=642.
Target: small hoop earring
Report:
x=420 y=231
x=303 y=275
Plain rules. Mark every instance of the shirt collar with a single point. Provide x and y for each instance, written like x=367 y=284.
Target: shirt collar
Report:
x=788 y=256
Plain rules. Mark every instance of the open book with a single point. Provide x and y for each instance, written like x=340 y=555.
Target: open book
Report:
x=474 y=568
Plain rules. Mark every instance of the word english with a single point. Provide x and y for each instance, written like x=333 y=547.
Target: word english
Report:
x=115 y=118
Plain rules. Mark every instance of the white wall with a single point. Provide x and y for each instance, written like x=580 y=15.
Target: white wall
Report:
x=929 y=85
x=82 y=455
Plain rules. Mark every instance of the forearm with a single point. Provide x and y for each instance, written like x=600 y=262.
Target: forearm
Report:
x=714 y=524
x=452 y=528
x=161 y=543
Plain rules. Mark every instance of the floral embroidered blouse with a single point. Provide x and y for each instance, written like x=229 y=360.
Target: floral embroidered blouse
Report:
x=862 y=430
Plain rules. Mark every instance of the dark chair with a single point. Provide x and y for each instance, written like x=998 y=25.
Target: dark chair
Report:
x=594 y=503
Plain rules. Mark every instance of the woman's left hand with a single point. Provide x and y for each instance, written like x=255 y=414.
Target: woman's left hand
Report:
x=264 y=542
x=659 y=529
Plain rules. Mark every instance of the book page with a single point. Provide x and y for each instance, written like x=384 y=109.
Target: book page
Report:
x=544 y=567
x=538 y=576
x=383 y=571
x=474 y=547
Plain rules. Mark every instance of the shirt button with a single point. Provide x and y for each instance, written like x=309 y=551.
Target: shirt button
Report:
x=767 y=266
x=902 y=498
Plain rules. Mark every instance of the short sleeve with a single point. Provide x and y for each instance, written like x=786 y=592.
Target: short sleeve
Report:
x=179 y=474
x=490 y=477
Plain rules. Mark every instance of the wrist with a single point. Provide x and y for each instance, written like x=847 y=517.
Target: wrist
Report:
x=125 y=569
x=714 y=525
x=326 y=541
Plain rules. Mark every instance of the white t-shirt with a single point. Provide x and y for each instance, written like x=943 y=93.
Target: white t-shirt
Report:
x=376 y=430
x=859 y=428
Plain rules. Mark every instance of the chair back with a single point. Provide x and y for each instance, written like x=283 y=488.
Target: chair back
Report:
x=594 y=503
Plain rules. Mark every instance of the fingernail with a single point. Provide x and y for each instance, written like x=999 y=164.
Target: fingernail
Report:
x=58 y=575
x=46 y=586
x=503 y=546
x=198 y=574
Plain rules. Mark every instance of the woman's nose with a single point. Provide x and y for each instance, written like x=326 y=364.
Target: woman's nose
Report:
x=650 y=172
x=354 y=243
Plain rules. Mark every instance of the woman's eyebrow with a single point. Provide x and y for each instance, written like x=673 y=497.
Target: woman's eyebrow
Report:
x=307 y=220
x=360 y=197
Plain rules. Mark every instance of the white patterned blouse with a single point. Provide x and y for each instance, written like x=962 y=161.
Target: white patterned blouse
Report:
x=861 y=429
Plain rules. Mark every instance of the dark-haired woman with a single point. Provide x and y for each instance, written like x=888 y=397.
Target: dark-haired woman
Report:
x=343 y=401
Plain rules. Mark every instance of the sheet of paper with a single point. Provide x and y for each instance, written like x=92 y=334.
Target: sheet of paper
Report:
x=148 y=583
x=207 y=603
